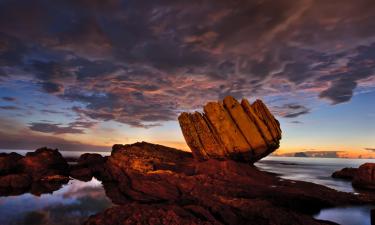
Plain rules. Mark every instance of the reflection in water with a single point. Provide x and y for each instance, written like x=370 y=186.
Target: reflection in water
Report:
x=315 y=170
x=70 y=205
x=347 y=215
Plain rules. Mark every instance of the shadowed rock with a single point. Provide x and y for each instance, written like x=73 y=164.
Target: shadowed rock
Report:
x=42 y=171
x=363 y=178
x=88 y=165
x=154 y=184
x=228 y=129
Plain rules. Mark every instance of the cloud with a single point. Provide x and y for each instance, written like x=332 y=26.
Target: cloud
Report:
x=292 y=110
x=54 y=128
x=31 y=141
x=142 y=64
x=8 y=99
x=9 y=107
x=76 y=127
x=370 y=149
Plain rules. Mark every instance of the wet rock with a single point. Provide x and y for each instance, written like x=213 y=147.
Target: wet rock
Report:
x=42 y=171
x=152 y=183
x=229 y=129
x=365 y=177
x=44 y=162
x=15 y=181
x=9 y=163
x=345 y=173
x=88 y=165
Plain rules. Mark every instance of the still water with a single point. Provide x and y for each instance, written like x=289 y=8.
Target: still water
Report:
x=71 y=205
x=319 y=170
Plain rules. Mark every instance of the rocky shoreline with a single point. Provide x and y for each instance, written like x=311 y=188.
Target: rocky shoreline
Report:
x=154 y=184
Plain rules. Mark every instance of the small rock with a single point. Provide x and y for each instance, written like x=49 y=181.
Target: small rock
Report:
x=346 y=173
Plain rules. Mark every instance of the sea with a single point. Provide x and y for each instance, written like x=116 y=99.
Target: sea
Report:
x=77 y=200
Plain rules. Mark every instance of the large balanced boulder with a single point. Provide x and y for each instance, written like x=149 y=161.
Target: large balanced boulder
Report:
x=229 y=129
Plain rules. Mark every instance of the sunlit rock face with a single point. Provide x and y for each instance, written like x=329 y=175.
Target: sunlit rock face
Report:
x=155 y=184
x=230 y=129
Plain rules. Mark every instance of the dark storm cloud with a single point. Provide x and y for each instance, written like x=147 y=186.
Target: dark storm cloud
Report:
x=8 y=99
x=141 y=63
x=76 y=127
x=9 y=107
x=54 y=128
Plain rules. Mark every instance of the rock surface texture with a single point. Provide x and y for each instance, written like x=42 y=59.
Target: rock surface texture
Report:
x=365 y=177
x=88 y=165
x=362 y=177
x=154 y=184
x=229 y=129
x=42 y=171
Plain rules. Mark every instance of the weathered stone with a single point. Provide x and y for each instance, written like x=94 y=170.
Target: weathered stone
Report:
x=365 y=177
x=15 y=181
x=44 y=162
x=265 y=115
x=154 y=184
x=231 y=130
x=191 y=136
x=88 y=165
x=246 y=125
x=230 y=135
x=259 y=123
x=9 y=163
x=345 y=173
x=211 y=144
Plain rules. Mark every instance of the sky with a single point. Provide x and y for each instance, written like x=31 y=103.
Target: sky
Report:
x=87 y=74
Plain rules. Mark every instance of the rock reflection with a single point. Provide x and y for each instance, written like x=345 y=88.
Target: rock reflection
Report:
x=70 y=205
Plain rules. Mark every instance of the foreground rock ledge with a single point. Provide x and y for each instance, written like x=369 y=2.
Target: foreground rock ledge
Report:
x=154 y=184
x=229 y=129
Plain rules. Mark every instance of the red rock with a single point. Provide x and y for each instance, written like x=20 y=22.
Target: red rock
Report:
x=231 y=130
x=9 y=163
x=44 y=162
x=155 y=214
x=88 y=165
x=153 y=182
x=345 y=173
x=15 y=181
x=365 y=177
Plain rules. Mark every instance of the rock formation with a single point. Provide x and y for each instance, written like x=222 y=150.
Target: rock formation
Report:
x=154 y=184
x=88 y=165
x=365 y=177
x=42 y=171
x=229 y=129
x=362 y=177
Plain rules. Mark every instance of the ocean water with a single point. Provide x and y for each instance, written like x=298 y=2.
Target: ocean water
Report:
x=319 y=170
x=77 y=200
